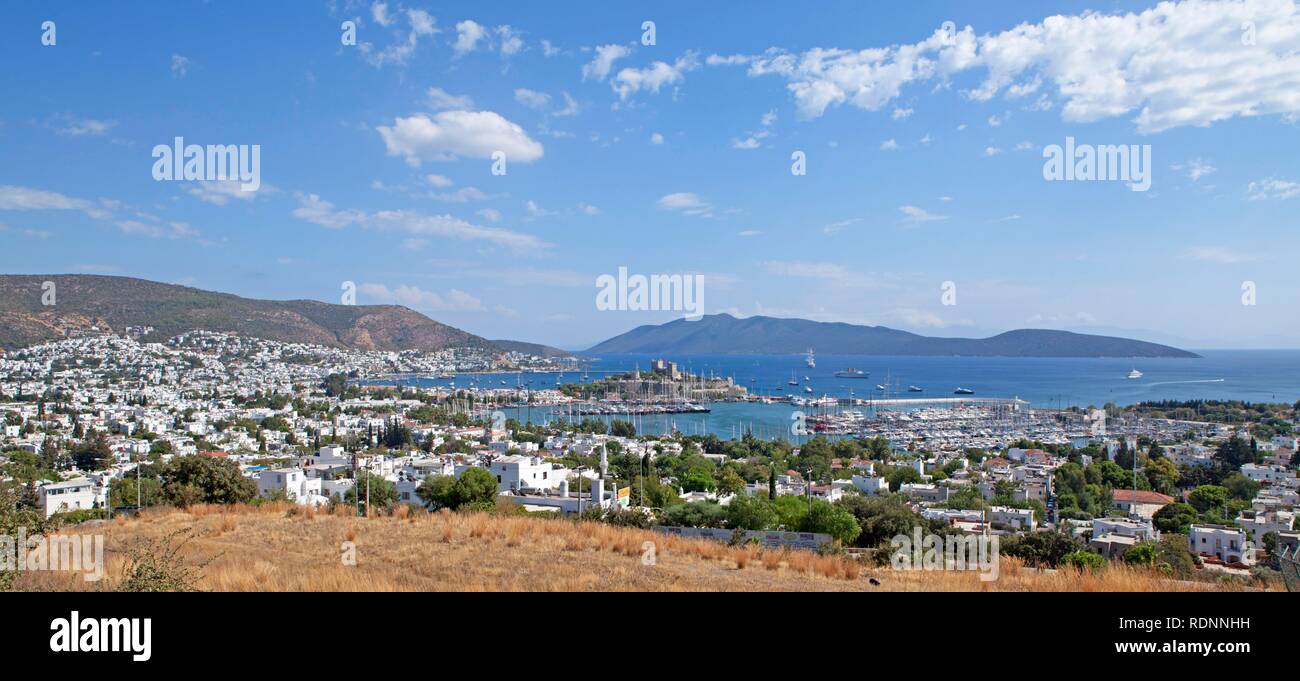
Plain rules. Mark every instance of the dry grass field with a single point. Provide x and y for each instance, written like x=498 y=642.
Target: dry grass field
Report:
x=279 y=547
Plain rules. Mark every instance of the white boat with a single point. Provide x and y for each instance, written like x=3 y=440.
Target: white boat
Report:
x=807 y=389
x=810 y=361
x=1135 y=374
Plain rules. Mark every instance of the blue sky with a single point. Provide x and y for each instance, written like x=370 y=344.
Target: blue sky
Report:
x=924 y=155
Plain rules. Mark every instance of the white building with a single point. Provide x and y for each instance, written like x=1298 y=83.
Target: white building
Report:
x=1228 y=544
x=293 y=482
x=72 y=495
x=871 y=486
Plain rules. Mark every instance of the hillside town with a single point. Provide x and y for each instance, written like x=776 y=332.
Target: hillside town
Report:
x=98 y=425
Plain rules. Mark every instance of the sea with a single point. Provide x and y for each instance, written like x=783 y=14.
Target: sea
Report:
x=1247 y=375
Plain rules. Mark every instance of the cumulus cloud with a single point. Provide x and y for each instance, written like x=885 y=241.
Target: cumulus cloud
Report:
x=221 y=192
x=606 y=55
x=629 y=81
x=1175 y=64
x=420 y=23
x=451 y=134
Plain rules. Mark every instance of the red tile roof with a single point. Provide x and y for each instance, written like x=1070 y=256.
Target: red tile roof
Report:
x=1128 y=496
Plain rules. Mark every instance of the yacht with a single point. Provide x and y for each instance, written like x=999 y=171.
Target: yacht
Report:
x=881 y=388
x=963 y=391
x=810 y=361
x=851 y=372
x=1135 y=374
x=792 y=381
x=807 y=389
x=915 y=389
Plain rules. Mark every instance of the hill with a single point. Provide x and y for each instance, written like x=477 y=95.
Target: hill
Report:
x=278 y=548
x=114 y=303
x=725 y=334
x=535 y=349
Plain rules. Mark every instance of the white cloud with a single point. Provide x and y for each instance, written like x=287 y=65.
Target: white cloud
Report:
x=440 y=99
x=747 y=143
x=312 y=208
x=606 y=55
x=992 y=151
x=532 y=99
x=901 y=114
x=1273 y=188
x=439 y=181
x=588 y=209
x=468 y=35
x=462 y=195
x=451 y=134
x=509 y=41
x=1174 y=64
x=421 y=24
x=379 y=12
x=220 y=192
x=914 y=214
x=835 y=227
x=180 y=65
x=420 y=299
x=629 y=81
x=489 y=214
x=687 y=203
x=656 y=138
x=1214 y=254
x=748 y=232
x=548 y=49
x=889 y=145
x=86 y=126
x=1196 y=169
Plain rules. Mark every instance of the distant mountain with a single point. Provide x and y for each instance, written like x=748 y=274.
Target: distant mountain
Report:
x=114 y=303
x=725 y=334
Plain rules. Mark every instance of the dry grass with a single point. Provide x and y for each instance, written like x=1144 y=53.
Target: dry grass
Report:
x=281 y=547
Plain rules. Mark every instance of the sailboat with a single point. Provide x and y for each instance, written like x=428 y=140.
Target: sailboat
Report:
x=792 y=380
x=810 y=361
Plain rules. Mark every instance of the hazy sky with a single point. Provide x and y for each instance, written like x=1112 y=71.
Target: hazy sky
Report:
x=924 y=146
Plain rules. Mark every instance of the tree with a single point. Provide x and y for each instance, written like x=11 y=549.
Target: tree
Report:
x=475 y=489
x=1234 y=452
x=900 y=476
x=381 y=493
x=1240 y=487
x=1041 y=549
x=1175 y=518
x=827 y=518
x=1143 y=554
x=1208 y=497
x=751 y=513
x=1084 y=560
x=619 y=428
x=1162 y=474
x=190 y=480
x=883 y=518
